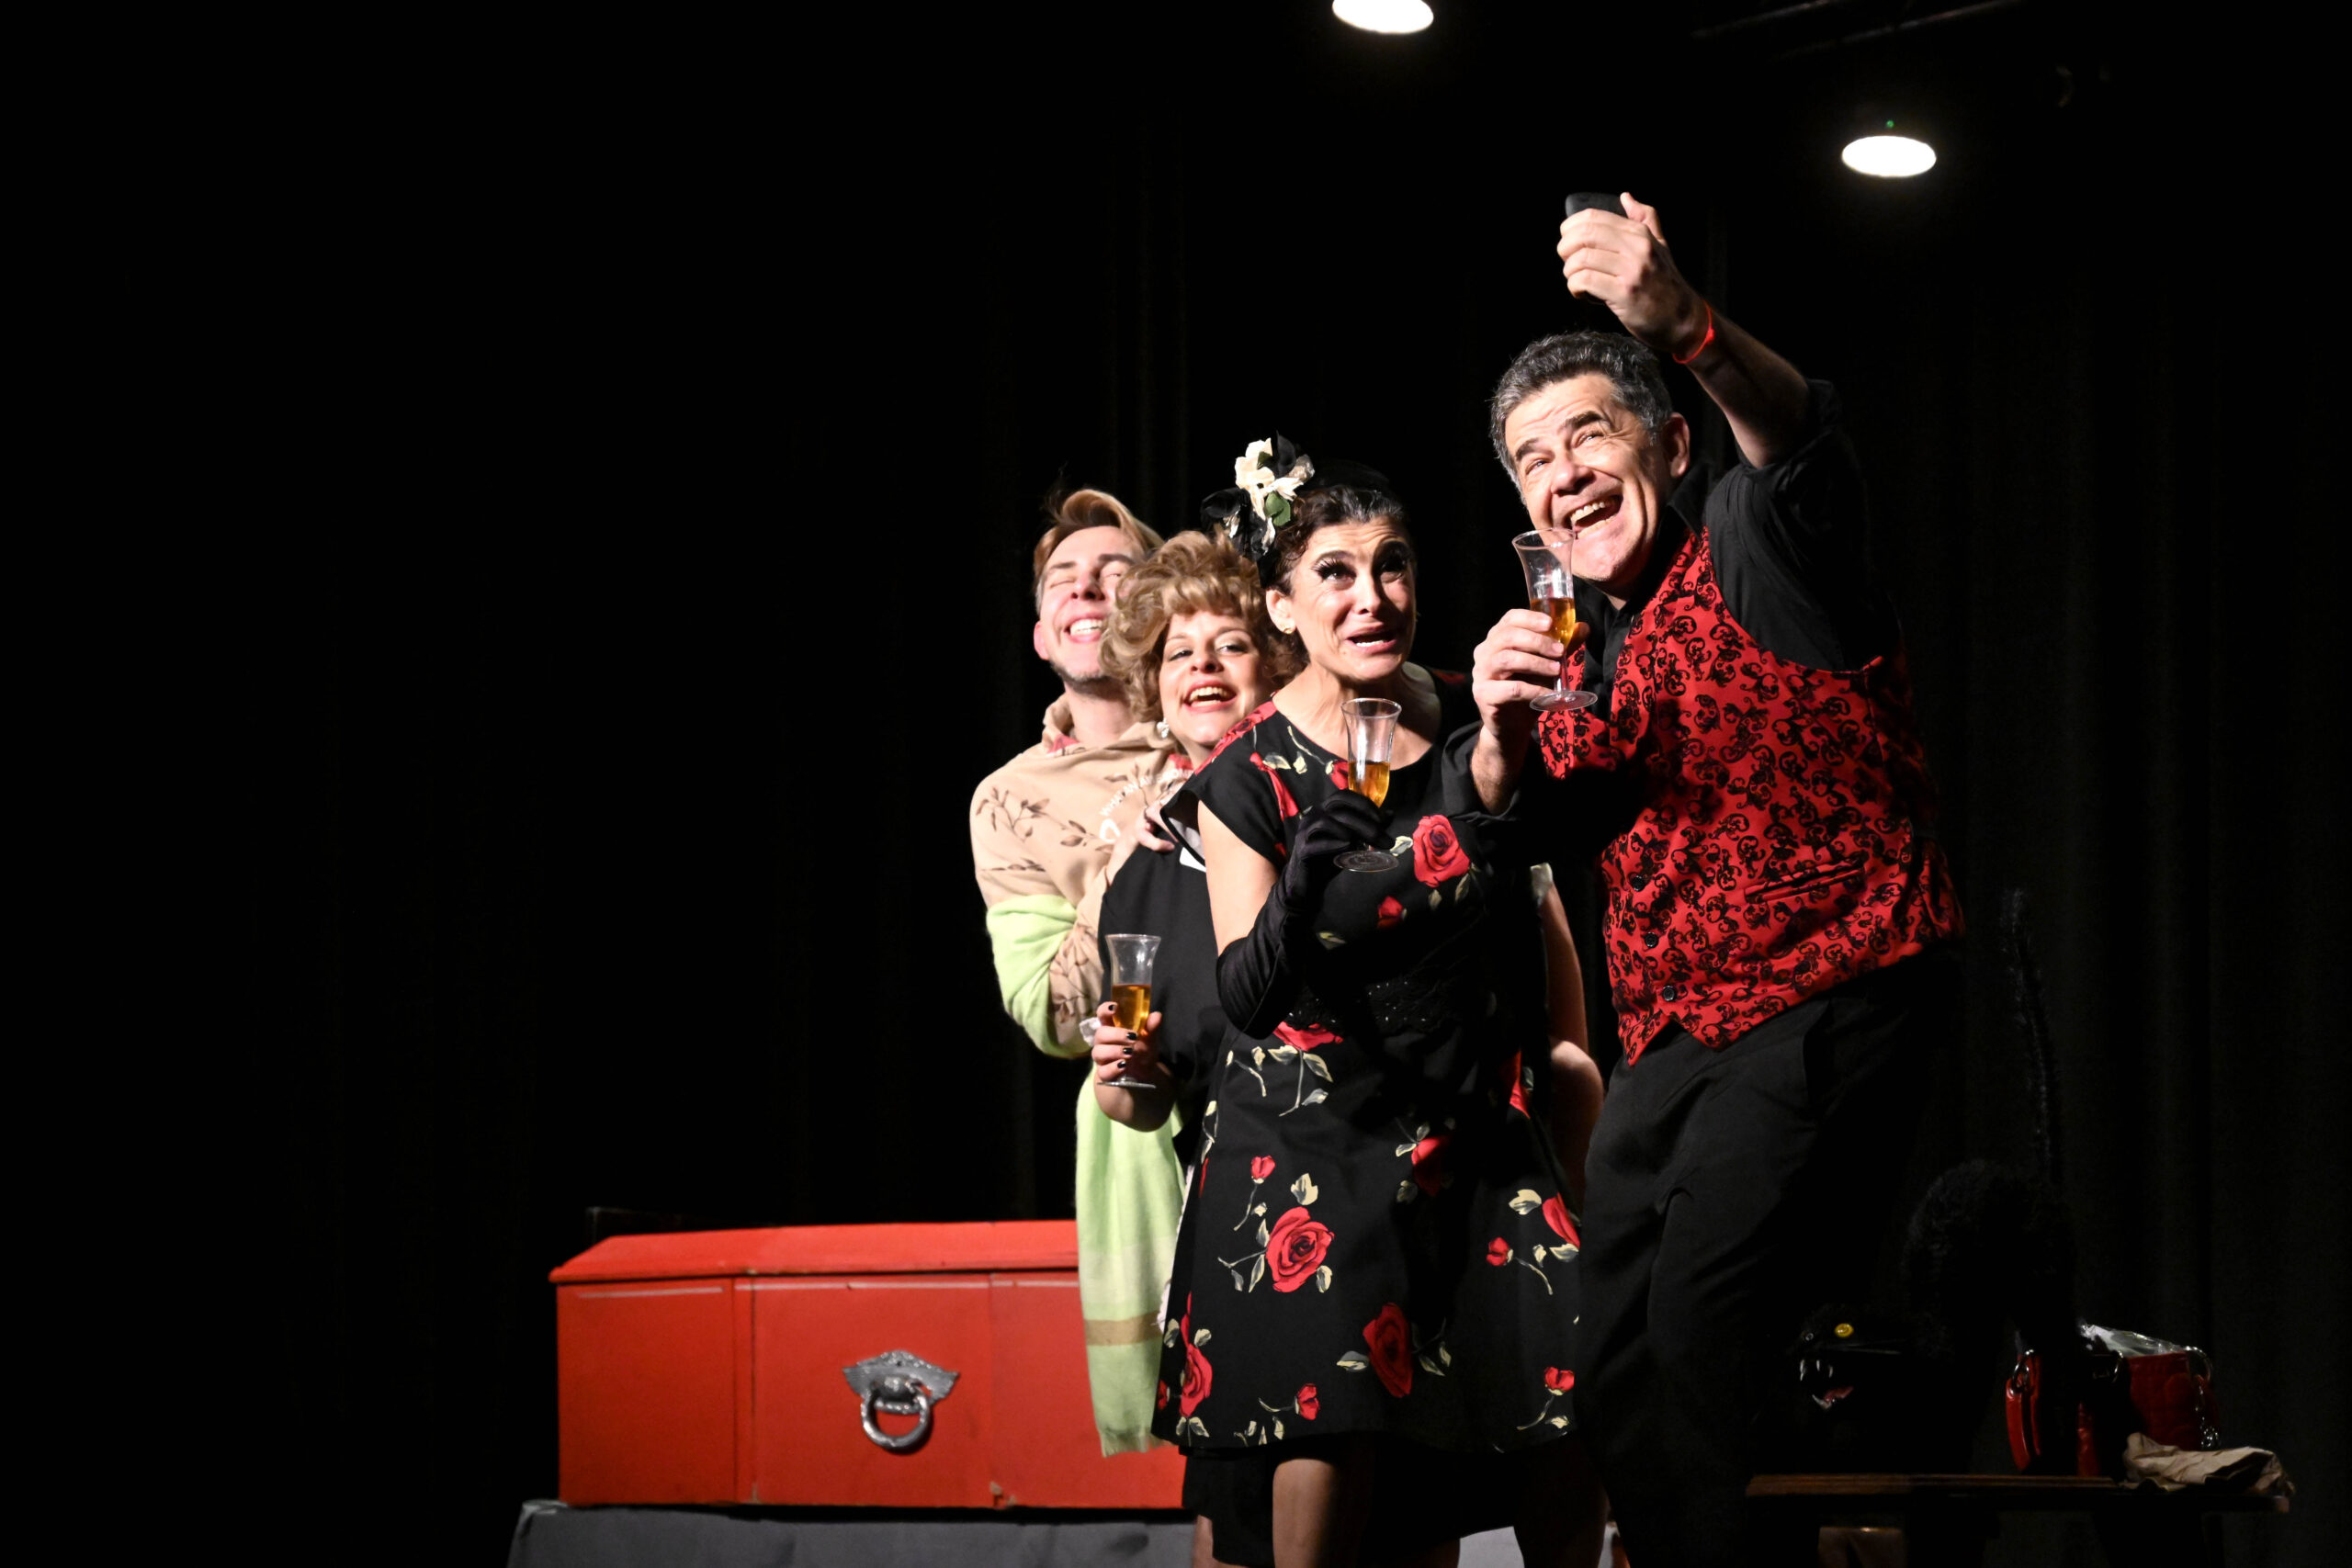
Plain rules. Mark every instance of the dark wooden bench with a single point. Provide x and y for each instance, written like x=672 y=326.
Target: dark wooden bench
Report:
x=1947 y=1519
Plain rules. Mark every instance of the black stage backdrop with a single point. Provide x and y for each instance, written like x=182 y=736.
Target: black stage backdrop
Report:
x=663 y=427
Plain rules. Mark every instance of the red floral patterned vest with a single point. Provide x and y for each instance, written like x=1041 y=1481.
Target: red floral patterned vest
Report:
x=1781 y=848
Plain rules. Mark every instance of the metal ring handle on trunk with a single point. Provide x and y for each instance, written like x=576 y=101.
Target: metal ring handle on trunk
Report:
x=897 y=1398
x=899 y=1382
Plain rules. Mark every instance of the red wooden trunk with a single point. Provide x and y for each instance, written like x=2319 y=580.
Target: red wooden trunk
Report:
x=709 y=1368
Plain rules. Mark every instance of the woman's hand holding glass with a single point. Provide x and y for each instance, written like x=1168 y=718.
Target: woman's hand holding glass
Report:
x=1131 y=1083
x=1123 y=1053
x=1326 y=834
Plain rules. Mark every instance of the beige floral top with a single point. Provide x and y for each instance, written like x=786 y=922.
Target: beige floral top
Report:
x=1052 y=822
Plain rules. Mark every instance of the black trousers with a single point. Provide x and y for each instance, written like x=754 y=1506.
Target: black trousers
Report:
x=1730 y=1192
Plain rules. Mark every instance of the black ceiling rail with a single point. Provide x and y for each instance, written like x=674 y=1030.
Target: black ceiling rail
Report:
x=1765 y=18
x=1957 y=13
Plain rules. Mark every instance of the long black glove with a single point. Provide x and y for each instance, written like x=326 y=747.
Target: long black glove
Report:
x=1257 y=977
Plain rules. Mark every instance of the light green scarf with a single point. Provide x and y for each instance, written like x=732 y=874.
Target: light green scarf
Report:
x=1130 y=1192
x=1024 y=934
x=1130 y=1196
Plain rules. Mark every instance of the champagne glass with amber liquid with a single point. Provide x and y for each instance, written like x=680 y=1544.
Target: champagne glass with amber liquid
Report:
x=1546 y=555
x=1372 y=736
x=1132 y=957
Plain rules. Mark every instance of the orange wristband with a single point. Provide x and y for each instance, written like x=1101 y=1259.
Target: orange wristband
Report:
x=1686 y=358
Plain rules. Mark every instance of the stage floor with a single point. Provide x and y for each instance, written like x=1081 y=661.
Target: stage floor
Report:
x=552 y=1535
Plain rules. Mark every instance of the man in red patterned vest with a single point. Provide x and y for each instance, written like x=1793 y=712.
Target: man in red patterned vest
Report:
x=1780 y=919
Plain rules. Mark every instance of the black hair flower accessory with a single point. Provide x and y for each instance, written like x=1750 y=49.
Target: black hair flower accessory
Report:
x=1266 y=479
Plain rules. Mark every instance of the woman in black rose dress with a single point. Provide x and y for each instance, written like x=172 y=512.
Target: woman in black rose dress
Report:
x=1375 y=1285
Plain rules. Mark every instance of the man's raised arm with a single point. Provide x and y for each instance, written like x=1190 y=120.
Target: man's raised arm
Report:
x=1625 y=265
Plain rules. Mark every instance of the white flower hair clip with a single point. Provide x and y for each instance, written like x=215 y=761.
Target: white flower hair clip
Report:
x=1267 y=479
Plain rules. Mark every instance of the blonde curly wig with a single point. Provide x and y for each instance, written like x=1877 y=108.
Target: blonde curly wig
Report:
x=1189 y=574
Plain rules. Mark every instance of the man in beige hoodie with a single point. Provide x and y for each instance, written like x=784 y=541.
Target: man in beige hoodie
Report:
x=1050 y=825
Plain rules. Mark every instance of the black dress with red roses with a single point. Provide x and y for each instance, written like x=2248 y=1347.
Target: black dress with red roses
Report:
x=1375 y=1239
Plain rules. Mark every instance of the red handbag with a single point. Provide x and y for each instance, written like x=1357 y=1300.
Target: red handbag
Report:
x=2131 y=1383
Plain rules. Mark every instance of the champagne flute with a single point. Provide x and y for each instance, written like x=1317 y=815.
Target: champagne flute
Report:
x=1132 y=957
x=1545 y=556
x=1372 y=736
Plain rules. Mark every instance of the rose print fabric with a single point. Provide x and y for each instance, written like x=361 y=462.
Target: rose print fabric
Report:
x=1375 y=1239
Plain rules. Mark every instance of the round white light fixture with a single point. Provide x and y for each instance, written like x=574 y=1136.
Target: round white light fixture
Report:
x=1385 y=16
x=1888 y=156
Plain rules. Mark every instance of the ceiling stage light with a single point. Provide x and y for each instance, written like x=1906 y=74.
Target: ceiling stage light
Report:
x=1887 y=156
x=1384 y=15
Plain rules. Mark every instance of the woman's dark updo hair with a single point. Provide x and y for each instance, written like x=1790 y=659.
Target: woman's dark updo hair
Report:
x=1334 y=504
